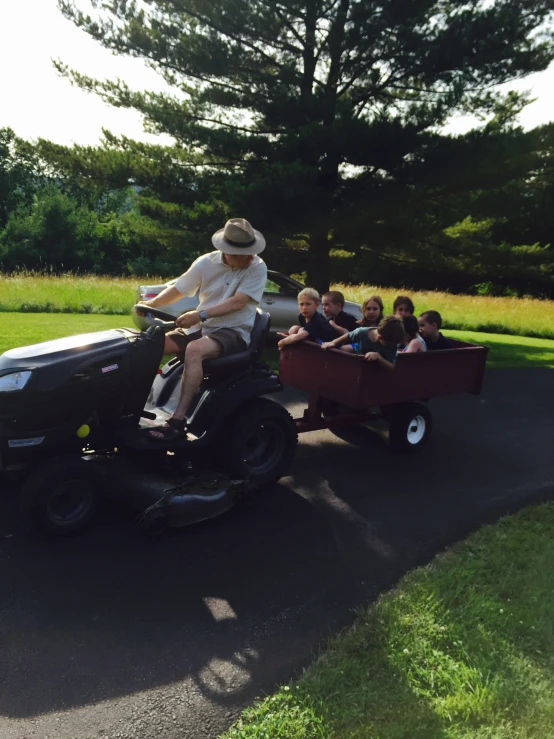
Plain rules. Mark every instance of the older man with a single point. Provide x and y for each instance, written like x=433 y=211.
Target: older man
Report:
x=230 y=282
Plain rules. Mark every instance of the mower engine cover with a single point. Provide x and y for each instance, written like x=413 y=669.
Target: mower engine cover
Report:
x=99 y=377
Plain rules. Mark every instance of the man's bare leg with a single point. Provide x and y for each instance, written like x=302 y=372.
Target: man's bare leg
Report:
x=170 y=347
x=195 y=353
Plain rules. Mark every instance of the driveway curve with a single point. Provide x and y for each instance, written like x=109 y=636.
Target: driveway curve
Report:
x=113 y=635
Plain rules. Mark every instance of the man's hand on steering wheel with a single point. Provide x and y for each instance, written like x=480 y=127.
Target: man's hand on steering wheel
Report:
x=142 y=302
x=187 y=320
x=144 y=308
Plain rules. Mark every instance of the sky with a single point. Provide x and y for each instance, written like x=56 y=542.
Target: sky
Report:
x=36 y=102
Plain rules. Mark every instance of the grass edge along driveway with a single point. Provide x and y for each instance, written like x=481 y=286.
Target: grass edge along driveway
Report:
x=20 y=329
x=461 y=649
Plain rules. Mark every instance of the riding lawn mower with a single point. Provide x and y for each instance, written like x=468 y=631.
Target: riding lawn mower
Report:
x=75 y=414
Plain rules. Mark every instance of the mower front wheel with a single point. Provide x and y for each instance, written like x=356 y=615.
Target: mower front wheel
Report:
x=260 y=441
x=61 y=496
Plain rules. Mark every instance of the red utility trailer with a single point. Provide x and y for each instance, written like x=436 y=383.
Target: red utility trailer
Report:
x=345 y=389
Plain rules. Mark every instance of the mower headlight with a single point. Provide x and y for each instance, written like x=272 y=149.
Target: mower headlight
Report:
x=15 y=381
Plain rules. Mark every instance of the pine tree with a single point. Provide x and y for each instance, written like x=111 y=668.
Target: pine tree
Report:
x=301 y=114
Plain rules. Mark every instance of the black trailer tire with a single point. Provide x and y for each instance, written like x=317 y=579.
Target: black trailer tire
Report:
x=260 y=442
x=410 y=428
x=61 y=496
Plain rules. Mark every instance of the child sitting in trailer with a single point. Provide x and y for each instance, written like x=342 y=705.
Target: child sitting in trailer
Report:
x=312 y=326
x=430 y=324
x=372 y=312
x=333 y=309
x=376 y=344
x=403 y=306
x=413 y=342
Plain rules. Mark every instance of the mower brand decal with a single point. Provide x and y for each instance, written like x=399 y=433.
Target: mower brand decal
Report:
x=25 y=442
x=111 y=368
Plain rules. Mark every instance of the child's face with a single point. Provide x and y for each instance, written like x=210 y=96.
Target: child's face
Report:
x=330 y=309
x=372 y=312
x=402 y=310
x=307 y=306
x=428 y=330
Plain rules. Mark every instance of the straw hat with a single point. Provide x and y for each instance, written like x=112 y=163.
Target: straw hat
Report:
x=238 y=237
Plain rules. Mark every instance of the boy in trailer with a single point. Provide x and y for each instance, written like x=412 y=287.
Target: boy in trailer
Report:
x=376 y=344
x=312 y=326
x=430 y=324
x=333 y=309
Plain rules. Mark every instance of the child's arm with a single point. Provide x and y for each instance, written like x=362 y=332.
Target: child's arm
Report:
x=412 y=347
x=339 y=329
x=292 y=330
x=344 y=339
x=376 y=357
x=302 y=335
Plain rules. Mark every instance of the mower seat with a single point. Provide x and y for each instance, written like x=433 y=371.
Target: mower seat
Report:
x=246 y=359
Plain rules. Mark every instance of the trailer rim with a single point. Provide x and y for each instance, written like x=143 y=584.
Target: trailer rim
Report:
x=416 y=430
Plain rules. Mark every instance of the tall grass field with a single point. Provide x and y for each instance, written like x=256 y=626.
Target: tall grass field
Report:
x=519 y=316
x=30 y=293
x=69 y=293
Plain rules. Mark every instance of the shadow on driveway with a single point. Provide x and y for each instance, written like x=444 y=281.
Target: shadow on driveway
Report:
x=194 y=624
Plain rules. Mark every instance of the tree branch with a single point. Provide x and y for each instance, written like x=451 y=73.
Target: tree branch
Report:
x=238 y=39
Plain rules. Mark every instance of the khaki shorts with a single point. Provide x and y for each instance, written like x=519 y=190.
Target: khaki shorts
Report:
x=229 y=340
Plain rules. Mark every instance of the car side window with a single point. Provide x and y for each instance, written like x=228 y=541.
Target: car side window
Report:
x=271 y=287
x=282 y=285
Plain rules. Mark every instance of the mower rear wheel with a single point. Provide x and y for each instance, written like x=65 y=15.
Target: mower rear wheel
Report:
x=61 y=496
x=260 y=442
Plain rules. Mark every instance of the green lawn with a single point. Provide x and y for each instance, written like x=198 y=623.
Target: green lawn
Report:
x=510 y=351
x=20 y=329
x=461 y=649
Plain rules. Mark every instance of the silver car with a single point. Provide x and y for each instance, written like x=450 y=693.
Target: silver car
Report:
x=279 y=300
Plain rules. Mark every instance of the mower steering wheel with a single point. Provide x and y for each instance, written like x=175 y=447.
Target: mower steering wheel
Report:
x=154 y=312
x=146 y=318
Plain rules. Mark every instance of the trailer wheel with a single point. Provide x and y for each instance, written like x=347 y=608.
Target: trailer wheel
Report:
x=259 y=442
x=61 y=497
x=410 y=427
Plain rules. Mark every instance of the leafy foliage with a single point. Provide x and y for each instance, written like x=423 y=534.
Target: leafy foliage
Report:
x=19 y=173
x=53 y=223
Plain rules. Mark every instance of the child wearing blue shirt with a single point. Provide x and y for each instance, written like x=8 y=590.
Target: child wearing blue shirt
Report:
x=376 y=343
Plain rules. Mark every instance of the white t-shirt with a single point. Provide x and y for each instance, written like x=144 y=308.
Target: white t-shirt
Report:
x=215 y=281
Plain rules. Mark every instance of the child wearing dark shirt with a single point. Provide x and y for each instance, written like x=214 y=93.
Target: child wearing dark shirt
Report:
x=376 y=344
x=430 y=324
x=312 y=326
x=333 y=309
x=403 y=306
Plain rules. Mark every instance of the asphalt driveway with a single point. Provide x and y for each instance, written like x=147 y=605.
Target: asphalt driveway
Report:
x=111 y=635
